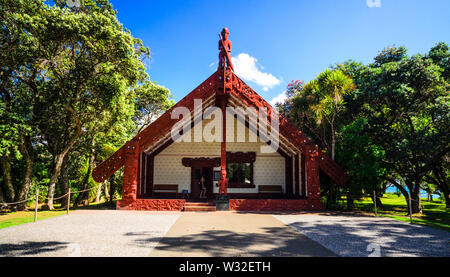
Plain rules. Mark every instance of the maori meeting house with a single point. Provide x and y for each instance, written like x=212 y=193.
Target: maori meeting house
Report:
x=199 y=156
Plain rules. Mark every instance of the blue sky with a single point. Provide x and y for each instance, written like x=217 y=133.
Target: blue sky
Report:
x=275 y=42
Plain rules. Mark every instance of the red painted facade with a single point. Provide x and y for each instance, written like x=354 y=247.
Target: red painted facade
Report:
x=152 y=204
x=276 y=205
x=235 y=205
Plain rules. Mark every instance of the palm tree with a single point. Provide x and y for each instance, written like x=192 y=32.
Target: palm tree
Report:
x=329 y=89
x=316 y=109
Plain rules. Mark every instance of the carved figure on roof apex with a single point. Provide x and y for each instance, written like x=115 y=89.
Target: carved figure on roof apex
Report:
x=225 y=50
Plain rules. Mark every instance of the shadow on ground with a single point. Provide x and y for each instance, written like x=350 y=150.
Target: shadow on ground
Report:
x=355 y=236
x=30 y=248
x=272 y=241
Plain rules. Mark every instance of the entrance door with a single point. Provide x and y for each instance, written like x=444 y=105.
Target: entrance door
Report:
x=208 y=174
x=196 y=175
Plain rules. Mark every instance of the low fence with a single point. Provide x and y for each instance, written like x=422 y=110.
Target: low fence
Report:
x=67 y=195
x=36 y=200
x=374 y=196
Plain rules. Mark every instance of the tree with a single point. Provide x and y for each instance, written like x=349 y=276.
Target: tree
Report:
x=362 y=161
x=16 y=114
x=430 y=189
x=399 y=93
x=393 y=122
x=439 y=174
x=151 y=101
x=440 y=54
x=68 y=74
x=316 y=108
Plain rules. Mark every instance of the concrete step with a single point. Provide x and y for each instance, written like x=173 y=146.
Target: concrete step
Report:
x=199 y=208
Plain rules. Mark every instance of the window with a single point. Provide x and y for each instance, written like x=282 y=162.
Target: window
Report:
x=240 y=175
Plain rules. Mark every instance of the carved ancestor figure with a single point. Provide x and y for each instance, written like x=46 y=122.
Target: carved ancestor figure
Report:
x=223 y=183
x=225 y=50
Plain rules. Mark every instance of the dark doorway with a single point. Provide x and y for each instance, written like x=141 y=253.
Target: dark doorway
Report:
x=196 y=175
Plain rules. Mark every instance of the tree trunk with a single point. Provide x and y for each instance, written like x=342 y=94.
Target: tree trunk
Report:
x=58 y=161
x=442 y=182
x=415 y=196
x=415 y=200
x=64 y=181
x=439 y=178
x=377 y=200
x=379 y=196
x=333 y=142
x=99 y=193
x=7 y=182
x=83 y=198
x=2 y=196
x=402 y=190
x=111 y=190
x=445 y=192
x=379 y=203
x=332 y=197
x=106 y=190
x=350 y=202
x=26 y=149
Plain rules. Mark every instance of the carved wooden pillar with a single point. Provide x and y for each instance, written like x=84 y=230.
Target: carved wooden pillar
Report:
x=303 y=174
x=297 y=175
x=131 y=171
x=226 y=80
x=149 y=175
x=223 y=148
x=288 y=175
x=312 y=171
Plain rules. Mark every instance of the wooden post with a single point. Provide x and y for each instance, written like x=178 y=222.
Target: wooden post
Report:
x=36 y=204
x=130 y=171
x=68 y=201
x=223 y=146
x=410 y=209
x=375 y=202
x=222 y=100
x=312 y=172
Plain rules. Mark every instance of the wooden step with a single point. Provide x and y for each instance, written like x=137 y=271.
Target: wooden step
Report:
x=199 y=208
x=193 y=204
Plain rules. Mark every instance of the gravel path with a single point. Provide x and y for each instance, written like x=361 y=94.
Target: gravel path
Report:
x=88 y=233
x=133 y=233
x=360 y=236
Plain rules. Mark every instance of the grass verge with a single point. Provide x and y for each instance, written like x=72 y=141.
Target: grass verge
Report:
x=11 y=218
x=434 y=214
x=21 y=217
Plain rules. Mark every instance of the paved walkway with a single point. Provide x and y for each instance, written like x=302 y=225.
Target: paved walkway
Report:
x=233 y=234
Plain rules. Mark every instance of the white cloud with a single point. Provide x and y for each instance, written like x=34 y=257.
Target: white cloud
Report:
x=373 y=3
x=246 y=67
x=280 y=98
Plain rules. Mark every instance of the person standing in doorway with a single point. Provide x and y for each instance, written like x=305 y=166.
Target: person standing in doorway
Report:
x=202 y=187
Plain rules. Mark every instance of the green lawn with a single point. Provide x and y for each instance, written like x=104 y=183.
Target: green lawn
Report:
x=17 y=218
x=434 y=213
